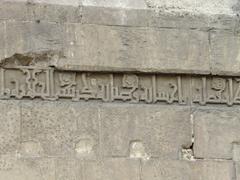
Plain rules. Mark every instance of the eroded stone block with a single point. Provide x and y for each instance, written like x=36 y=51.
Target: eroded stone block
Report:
x=186 y=170
x=61 y=128
x=9 y=127
x=109 y=169
x=225 y=54
x=142 y=49
x=27 y=169
x=215 y=132
x=163 y=130
x=69 y=169
x=32 y=37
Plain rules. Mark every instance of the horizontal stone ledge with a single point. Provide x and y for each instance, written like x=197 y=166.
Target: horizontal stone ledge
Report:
x=75 y=12
x=50 y=84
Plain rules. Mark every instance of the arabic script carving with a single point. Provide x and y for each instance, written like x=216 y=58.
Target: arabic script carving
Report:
x=50 y=84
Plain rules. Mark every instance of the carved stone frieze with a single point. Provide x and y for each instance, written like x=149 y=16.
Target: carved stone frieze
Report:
x=50 y=84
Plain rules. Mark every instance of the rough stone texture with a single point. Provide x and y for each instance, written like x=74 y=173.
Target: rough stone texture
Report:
x=123 y=47
x=162 y=130
x=215 y=132
x=196 y=7
x=178 y=43
x=9 y=127
x=116 y=169
x=183 y=170
x=26 y=169
x=60 y=127
x=65 y=140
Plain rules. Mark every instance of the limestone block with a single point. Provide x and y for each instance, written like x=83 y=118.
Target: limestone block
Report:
x=54 y=12
x=32 y=37
x=225 y=53
x=9 y=127
x=215 y=132
x=2 y=42
x=141 y=49
x=209 y=7
x=109 y=169
x=26 y=169
x=237 y=166
x=158 y=130
x=62 y=129
x=186 y=170
x=14 y=10
x=136 y=4
x=236 y=152
x=69 y=169
x=50 y=11
x=145 y=18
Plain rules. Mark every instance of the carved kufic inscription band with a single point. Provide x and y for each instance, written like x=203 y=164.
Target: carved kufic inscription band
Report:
x=50 y=84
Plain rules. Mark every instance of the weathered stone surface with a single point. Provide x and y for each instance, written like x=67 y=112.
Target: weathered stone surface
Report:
x=199 y=7
x=30 y=11
x=237 y=166
x=126 y=48
x=26 y=169
x=186 y=170
x=9 y=127
x=225 y=54
x=69 y=169
x=32 y=37
x=185 y=38
x=2 y=42
x=132 y=135
x=59 y=127
x=162 y=130
x=236 y=152
x=110 y=169
x=215 y=132
x=133 y=4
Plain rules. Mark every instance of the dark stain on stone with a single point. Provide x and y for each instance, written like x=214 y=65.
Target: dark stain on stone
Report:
x=29 y=59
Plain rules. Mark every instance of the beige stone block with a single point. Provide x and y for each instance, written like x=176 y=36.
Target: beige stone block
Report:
x=69 y=169
x=9 y=127
x=236 y=151
x=26 y=169
x=225 y=53
x=32 y=37
x=216 y=129
x=62 y=128
x=3 y=39
x=14 y=10
x=112 y=169
x=135 y=48
x=50 y=12
x=159 y=131
x=186 y=170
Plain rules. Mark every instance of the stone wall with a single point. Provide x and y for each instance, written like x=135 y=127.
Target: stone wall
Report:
x=119 y=90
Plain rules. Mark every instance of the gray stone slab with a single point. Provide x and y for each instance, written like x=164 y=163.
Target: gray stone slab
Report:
x=215 y=132
x=2 y=42
x=109 y=169
x=44 y=11
x=69 y=169
x=149 y=18
x=9 y=127
x=62 y=129
x=26 y=169
x=162 y=130
x=225 y=54
x=186 y=170
x=136 y=49
x=209 y=7
x=133 y=4
x=32 y=37
x=237 y=166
